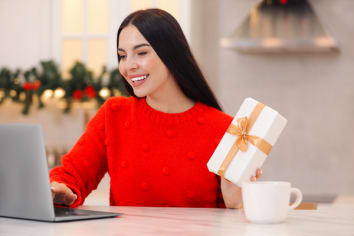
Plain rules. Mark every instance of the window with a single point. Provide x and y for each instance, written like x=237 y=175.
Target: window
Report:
x=85 y=30
x=84 y=34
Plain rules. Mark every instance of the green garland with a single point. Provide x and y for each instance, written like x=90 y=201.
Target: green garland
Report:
x=47 y=82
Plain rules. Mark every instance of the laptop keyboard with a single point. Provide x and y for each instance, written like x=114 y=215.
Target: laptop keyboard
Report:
x=63 y=211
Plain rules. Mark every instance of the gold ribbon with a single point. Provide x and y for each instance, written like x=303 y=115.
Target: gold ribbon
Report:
x=242 y=129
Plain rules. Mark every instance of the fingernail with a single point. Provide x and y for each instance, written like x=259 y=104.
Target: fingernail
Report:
x=75 y=196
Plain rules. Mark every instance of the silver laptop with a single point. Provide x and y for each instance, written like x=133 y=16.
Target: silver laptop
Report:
x=24 y=180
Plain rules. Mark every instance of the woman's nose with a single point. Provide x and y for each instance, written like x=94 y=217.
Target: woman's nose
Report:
x=131 y=63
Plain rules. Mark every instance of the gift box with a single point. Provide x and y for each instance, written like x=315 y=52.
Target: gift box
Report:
x=247 y=142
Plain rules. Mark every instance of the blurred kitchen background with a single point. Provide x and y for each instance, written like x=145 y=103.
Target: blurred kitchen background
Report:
x=298 y=62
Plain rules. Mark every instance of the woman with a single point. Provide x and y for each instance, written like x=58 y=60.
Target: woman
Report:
x=156 y=143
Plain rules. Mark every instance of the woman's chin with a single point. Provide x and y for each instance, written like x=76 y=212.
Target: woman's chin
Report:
x=140 y=94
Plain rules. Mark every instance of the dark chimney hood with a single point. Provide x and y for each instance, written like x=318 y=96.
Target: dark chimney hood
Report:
x=279 y=27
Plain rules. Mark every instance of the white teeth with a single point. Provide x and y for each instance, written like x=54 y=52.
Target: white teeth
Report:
x=139 y=78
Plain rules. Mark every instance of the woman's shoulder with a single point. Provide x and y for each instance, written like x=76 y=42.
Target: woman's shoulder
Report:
x=217 y=121
x=214 y=114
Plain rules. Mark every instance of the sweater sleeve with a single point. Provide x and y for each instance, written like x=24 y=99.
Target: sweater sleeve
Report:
x=85 y=165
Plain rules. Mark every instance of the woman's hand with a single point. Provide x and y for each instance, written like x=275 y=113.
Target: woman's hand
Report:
x=258 y=175
x=232 y=194
x=61 y=194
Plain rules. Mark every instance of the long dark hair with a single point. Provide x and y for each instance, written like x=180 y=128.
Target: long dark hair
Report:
x=166 y=37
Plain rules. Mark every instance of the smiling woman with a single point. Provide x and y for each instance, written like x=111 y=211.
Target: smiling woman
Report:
x=162 y=32
x=155 y=144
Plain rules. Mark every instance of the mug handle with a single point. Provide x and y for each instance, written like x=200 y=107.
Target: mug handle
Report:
x=298 y=198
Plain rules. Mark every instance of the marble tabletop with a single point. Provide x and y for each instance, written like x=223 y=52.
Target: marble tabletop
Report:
x=326 y=220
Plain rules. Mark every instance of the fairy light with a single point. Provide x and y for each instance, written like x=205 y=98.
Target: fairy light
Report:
x=59 y=93
x=22 y=96
x=2 y=93
x=12 y=93
x=48 y=93
x=104 y=92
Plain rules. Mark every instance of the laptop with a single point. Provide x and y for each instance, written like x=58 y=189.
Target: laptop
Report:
x=24 y=180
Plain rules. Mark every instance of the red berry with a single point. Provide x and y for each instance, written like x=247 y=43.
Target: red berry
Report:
x=27 y=86
x=77 y=94
x=36 y=84
x=90 y=91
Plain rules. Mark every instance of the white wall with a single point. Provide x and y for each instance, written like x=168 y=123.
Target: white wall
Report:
x=25 y=32
x=204 y=38
x=315 y=92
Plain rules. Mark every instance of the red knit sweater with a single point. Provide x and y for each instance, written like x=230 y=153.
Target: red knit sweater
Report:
x=153 y=158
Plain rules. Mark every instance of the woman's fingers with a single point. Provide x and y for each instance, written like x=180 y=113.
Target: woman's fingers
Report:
x=53 y=191
x=65 y=198
x=61 y=194
x=258 y=175
x=70 y=198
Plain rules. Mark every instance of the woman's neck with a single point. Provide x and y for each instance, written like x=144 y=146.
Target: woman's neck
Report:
x=172 y=100
x=170 y=105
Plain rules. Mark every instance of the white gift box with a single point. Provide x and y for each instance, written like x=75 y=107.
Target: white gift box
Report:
x=268 y=126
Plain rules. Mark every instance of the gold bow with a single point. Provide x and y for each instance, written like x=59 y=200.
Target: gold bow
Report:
x=242 y=129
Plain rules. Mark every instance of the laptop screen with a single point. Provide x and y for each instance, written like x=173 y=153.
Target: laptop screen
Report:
x=24 y=179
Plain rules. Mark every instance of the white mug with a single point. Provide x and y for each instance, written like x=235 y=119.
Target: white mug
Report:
x=267 y=201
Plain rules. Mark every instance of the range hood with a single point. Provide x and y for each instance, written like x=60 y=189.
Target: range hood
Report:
x=281 y=28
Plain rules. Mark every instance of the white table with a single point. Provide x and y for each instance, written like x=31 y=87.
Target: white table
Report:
x=326 y=220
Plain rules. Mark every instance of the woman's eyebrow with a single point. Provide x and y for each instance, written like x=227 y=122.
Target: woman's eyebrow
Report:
x=135 y=47
x=141 y=45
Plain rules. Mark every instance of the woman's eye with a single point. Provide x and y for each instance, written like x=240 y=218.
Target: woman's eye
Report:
x=142 y=53
x=122 y=56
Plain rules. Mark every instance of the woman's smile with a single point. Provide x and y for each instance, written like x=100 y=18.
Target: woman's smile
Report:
x=138 y=80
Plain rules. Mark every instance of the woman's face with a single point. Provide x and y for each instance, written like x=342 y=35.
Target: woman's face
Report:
x=140 y=65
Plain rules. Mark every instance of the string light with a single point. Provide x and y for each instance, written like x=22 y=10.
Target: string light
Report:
x=104 y=92
x=12 y=93
x=48 y=93
x=22 y=96
x=2 y=93
x=59 y=93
